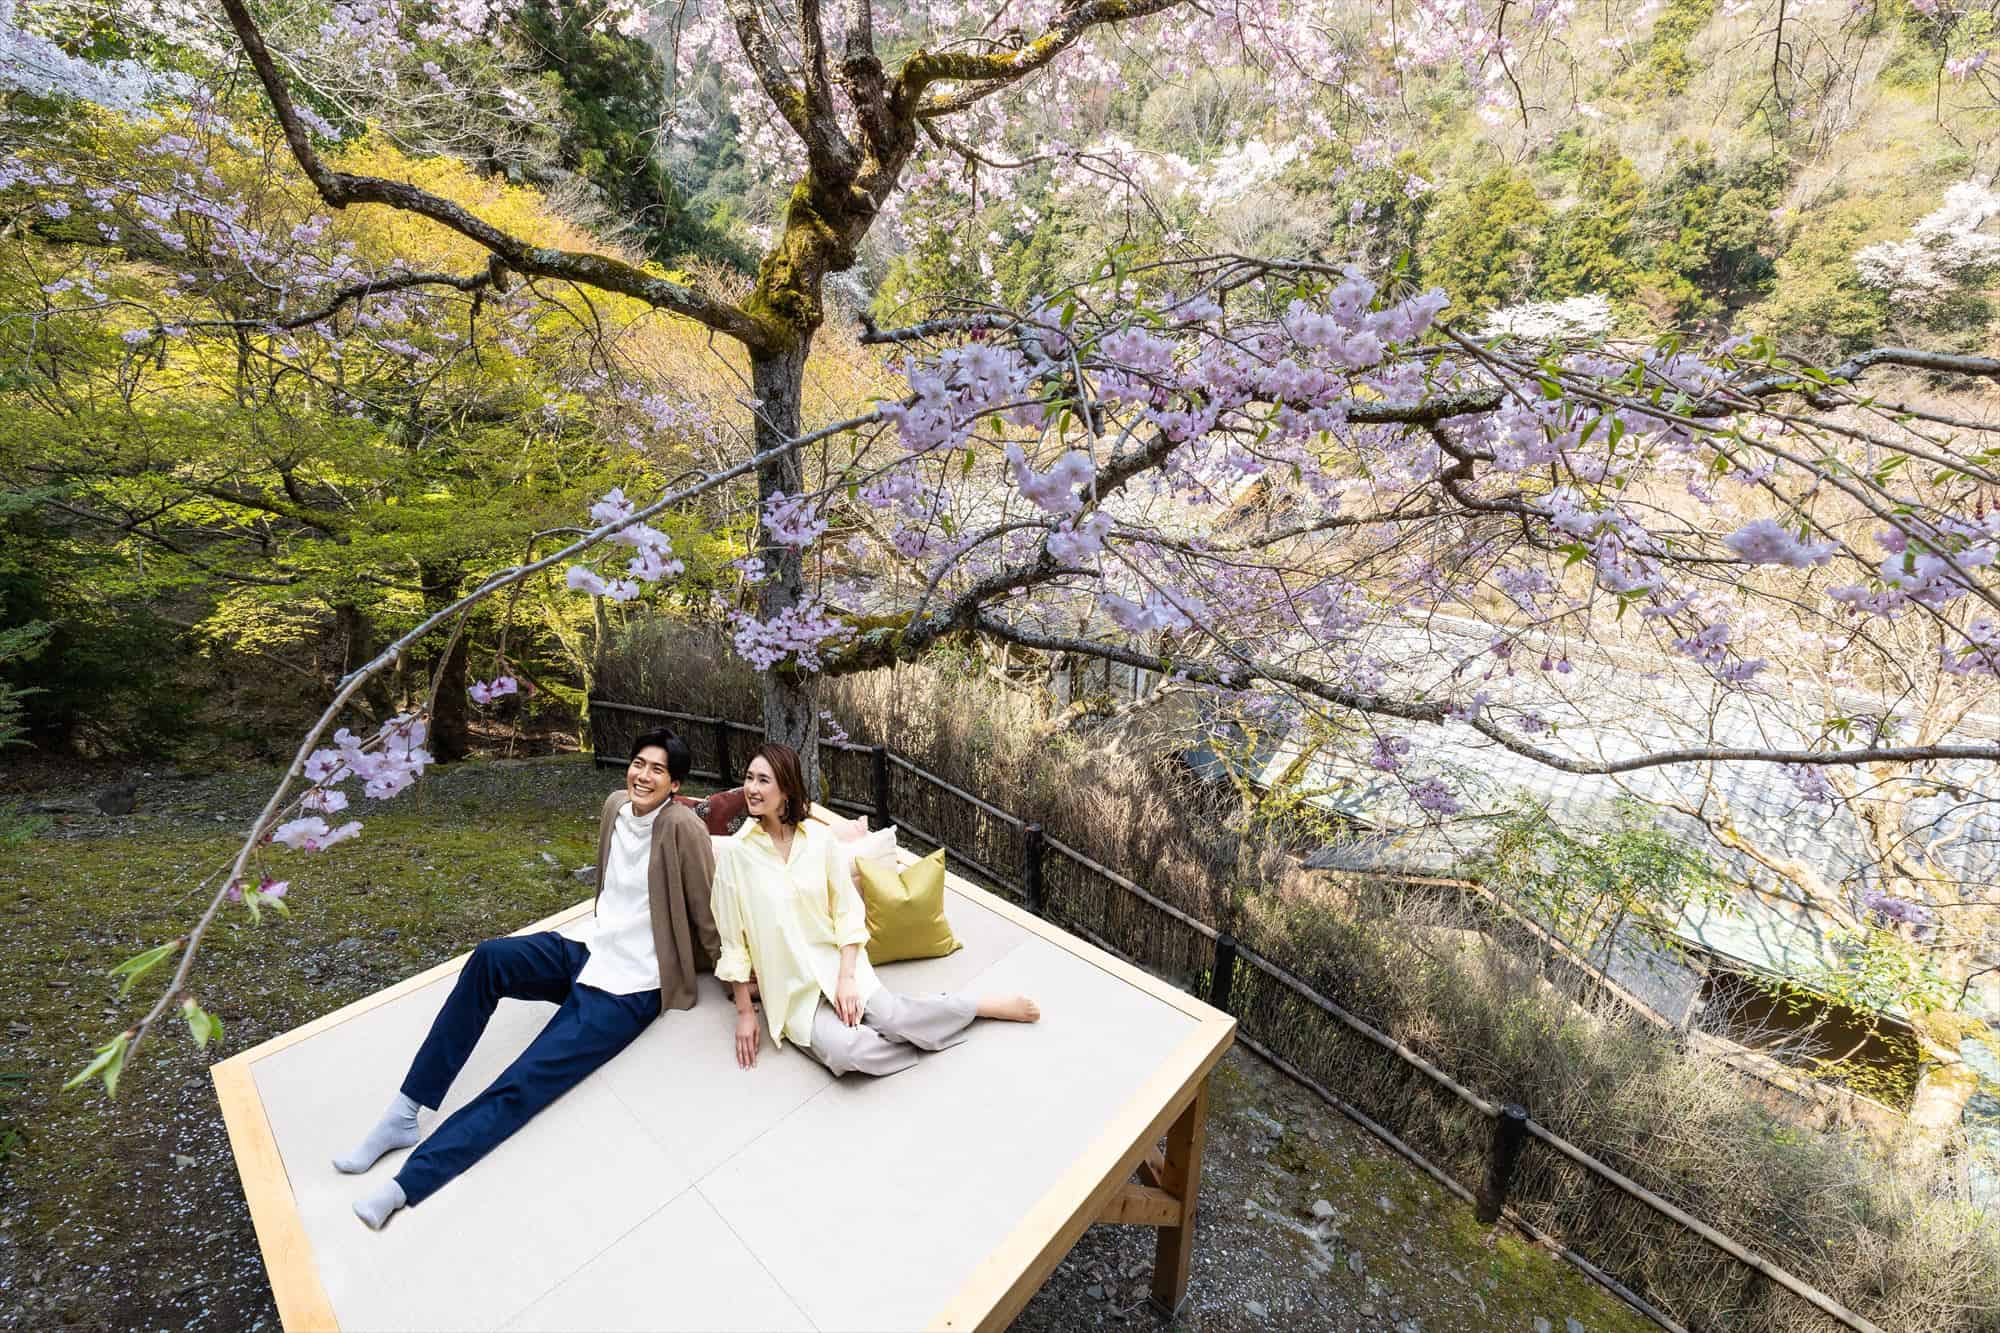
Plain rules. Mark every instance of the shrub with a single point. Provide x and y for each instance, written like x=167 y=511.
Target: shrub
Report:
x=1480 y=243
x=1819 y=308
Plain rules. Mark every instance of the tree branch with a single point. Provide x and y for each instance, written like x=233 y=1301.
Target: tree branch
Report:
x=1983 y=367
x=1437 y=712
x=394 y=282
x=340 y=189
x=991 y=72
x=831 y=155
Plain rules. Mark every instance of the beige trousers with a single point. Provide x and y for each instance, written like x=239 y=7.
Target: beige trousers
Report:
x=892 y=1029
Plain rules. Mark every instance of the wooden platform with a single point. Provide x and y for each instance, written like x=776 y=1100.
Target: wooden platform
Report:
x=674 y=1191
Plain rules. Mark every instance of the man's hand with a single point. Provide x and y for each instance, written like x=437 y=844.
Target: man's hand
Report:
x=747 y=1037
x=847 y=1000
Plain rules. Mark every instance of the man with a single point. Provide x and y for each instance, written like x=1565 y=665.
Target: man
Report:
x=653 y=932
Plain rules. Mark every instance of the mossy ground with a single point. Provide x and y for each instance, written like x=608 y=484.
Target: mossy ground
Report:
x=128 y=1214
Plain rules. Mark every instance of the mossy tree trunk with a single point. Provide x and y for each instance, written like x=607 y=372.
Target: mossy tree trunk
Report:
x=790 y=698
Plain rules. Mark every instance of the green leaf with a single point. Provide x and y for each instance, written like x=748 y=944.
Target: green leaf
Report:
x=254 y=900
x=140 y=964
x=108 y=1064
x=202 y=1025
x=965 y=467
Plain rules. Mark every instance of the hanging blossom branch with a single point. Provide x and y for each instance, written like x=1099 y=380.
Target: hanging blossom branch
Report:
x=1567 y=434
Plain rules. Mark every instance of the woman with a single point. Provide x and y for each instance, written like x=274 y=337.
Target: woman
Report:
x=787 y=909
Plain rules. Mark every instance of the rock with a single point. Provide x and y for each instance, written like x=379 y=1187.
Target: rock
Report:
x=1269 y=1128
x=1382 y=1202
x=120 y=798
x=1256 y=1310
x=1573 y=1325
x=1095 y=1291
x=1409 y=1325
x=348 y=945
x=1354 y=1263
x=1543 y=1326
x=20 y=1029
x=1322 y=1211
x=550 y=857
x=391 y=933
x=588 y=874
x=181 y=1159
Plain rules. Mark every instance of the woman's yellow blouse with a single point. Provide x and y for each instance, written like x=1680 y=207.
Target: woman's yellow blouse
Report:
x=788 y=922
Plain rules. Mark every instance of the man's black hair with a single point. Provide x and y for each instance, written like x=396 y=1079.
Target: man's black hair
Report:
x=679 y=760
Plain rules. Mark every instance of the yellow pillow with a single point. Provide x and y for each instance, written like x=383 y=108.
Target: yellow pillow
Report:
x=906 y=910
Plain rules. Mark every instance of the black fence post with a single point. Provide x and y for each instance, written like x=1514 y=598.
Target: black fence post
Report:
x=1031 y=866
x=1510 y=1133
x=1223 y=977
x=878 y=763
x=723 y=768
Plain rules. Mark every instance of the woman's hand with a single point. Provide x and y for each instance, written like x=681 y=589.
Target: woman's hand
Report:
x=847 y=1000
x=747 y=1038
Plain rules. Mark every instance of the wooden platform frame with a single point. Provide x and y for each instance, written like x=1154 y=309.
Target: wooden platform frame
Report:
x=1100 y=1185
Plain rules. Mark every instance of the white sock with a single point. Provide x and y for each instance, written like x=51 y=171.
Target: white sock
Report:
x=396 y=1129
x=375 y=1209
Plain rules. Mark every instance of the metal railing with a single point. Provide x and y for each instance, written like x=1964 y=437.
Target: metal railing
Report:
x=1494 y=1156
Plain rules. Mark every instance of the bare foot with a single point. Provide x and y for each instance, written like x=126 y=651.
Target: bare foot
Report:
x=1010 y=1008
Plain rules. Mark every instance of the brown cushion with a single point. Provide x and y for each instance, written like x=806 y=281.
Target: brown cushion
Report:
x=721 y=813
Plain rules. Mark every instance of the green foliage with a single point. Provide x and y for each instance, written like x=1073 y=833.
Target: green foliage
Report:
x=93 y=662
x=132 y=969
x=614 y=96
x=1585 y=883
x=1665 y=68
x=18 y=643
x=203 y=1026
x=1712 y=239
x=1587 y=248
x=1879 y=971
x=108 y=1063
x=1480 y=242
x=1818 y=306
x=193 y=513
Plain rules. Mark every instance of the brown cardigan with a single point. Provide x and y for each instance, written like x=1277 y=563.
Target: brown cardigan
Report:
x=679 y=879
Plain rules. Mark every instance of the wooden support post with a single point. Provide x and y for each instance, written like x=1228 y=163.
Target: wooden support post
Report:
x=1224 y=974
x=724 y=770
x=1153 y=1170
x=1031 y=866
x=1510 y=1132
x=1181 y=1178
x=878 y=761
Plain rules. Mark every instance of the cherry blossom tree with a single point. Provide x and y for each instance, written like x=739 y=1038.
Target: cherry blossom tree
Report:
x=1063 y=476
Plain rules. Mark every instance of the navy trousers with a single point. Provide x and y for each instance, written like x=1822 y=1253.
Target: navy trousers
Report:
x=588 y=1029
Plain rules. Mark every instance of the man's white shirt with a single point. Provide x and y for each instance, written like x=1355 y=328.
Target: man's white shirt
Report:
x=622 y=958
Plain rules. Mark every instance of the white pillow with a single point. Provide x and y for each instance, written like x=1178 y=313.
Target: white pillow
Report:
x=877 y=846
x=849 y=853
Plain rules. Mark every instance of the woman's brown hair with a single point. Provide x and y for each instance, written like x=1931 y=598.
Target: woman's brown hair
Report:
x=784 y=762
